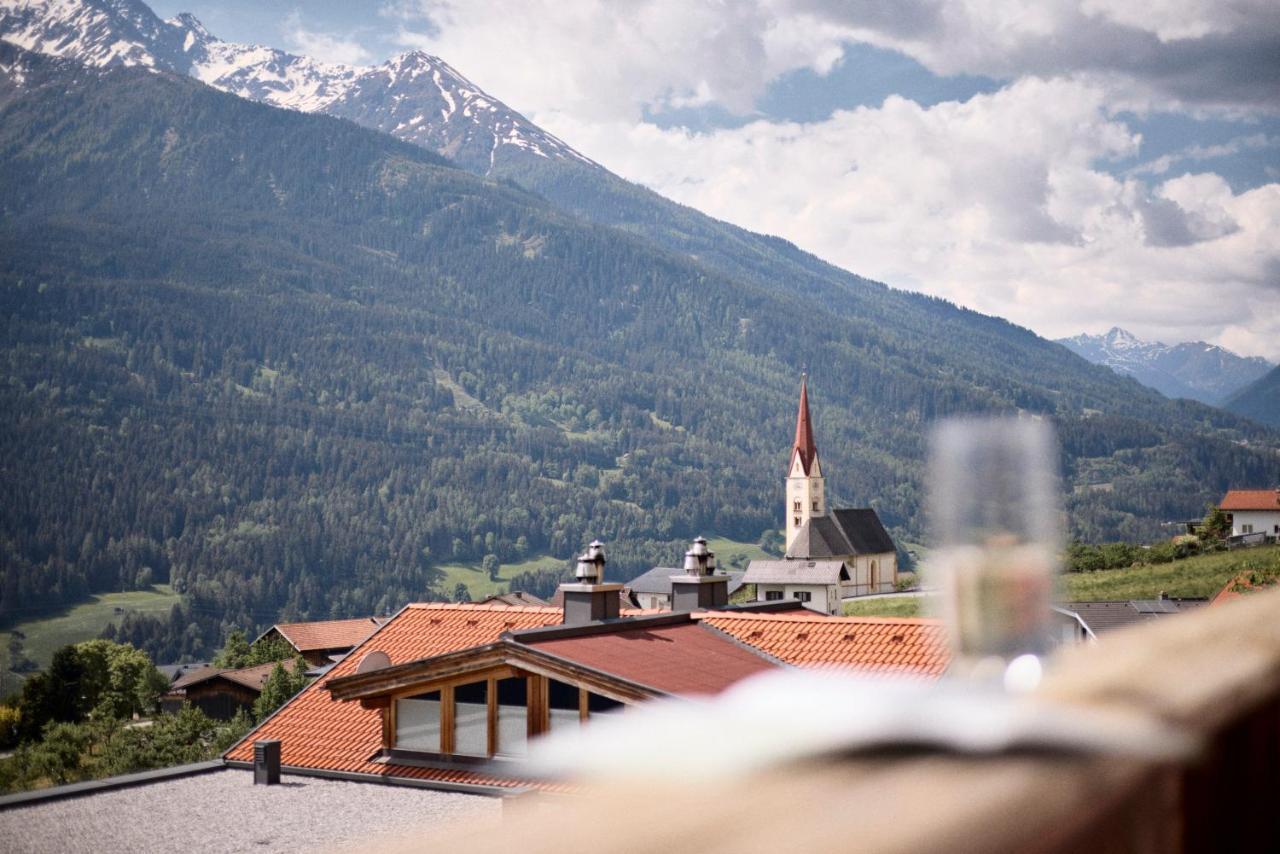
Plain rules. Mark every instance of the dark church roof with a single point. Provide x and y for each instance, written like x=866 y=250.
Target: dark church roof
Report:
x=844 y=532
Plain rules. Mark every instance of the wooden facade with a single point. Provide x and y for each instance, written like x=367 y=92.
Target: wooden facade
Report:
x=381 y=689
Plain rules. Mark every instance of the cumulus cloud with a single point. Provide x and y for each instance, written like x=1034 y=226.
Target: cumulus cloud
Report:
x=997 y=203
x=1004 y=203
x=608 y=59
x=1208 y=54
x=323 y=46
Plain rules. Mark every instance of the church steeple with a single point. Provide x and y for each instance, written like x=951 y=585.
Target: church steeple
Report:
x=804 y=447
x=805 y=489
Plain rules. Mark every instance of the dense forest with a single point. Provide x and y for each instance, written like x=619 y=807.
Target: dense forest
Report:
x=1259 y=400
x=290 y=366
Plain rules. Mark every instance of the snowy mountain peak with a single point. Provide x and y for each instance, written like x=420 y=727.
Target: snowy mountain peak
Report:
x=415 y=96
x=1195 y=370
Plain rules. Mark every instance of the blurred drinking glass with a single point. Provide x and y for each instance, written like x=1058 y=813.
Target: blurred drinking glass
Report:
x=994 y=509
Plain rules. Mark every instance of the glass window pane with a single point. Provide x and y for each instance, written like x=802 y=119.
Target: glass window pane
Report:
x=471 y=719
x=563 y=719
x=598 y=705
x=418 y=722
x=562 y=700
x=513 y=719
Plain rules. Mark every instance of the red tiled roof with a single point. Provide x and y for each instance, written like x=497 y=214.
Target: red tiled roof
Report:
x=1251 y=499
x=685 y=658
x=327 y=634
x=324 y=734
x=864 y=643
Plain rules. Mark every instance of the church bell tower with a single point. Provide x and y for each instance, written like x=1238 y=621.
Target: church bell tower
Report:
x=806 y=498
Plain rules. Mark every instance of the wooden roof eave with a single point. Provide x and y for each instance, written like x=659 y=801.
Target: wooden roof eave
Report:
x=424 y=673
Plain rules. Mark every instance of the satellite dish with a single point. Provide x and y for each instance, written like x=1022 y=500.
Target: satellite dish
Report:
x=373 y=660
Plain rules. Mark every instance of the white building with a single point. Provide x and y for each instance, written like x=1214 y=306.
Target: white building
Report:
x=831 y=555
x=1253 y=511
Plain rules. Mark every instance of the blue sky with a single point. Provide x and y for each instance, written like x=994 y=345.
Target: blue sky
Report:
x=1069 y=165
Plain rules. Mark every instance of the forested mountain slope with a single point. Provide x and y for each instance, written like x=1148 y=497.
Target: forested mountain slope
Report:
x=290 y=364
x=1259 y=400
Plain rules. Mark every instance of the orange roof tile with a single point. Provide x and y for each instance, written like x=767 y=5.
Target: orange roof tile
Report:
x=1251 y=499
x=320 y=733
x=326 y=634
x=864 y=643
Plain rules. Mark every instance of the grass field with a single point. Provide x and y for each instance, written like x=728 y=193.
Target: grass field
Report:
x=479 y=584
x=887 y=606
x=46 y=632
x=1201 y=576
x=1194 y=577
x=730 y=554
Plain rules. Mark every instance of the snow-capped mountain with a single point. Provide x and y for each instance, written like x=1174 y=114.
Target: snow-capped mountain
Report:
x=1196 y=370
x=417 y=97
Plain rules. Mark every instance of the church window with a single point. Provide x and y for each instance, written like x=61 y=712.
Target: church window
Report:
x=797 y=521
x=815 y=505
x=797 y=506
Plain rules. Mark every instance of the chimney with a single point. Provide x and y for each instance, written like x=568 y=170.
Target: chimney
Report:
x=266 y=761
x=701 y=587
x=590 y=599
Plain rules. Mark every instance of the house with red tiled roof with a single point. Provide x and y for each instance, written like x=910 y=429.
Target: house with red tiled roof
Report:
x=1253 y=512
x=320 y=641
x=451 y=694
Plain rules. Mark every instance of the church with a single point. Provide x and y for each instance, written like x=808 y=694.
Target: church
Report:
x=831 y=555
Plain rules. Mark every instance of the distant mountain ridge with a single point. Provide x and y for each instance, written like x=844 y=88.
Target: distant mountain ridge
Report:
x=1194 y=370
x=421 y=99
x=418 y=97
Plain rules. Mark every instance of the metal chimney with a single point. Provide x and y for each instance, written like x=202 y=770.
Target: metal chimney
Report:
x=590 y=598
x=701 y=587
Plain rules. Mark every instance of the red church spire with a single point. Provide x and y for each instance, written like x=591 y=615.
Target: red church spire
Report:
x=804 y=444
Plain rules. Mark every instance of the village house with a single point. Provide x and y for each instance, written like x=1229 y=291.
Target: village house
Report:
x=449 y=694
x=321 y=642
x=831 y=555
x=220 y=692
x=1253 y=512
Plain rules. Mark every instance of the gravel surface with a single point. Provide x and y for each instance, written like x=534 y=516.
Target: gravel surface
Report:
x=223 y=811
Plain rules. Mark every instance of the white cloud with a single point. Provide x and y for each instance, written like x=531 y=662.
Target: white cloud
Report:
x=323 y=46
x=999 y=203
x=996 y=203
x=609 y=59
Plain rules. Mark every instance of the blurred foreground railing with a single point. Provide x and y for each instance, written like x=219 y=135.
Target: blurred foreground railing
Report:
x=1215 y=672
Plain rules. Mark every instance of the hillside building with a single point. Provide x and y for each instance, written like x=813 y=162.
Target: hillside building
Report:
x=1253 y=512
x=831 y=554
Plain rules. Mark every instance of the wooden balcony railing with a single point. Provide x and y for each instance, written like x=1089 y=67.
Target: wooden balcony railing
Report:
x=1215 y=672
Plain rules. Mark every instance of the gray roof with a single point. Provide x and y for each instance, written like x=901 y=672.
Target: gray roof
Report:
x=658 y=580
x=843 y=532
x=795 y=572
x=1102 y=617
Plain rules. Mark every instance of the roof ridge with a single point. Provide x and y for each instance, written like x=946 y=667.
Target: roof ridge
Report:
x=821 y=619
x=481 y=606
